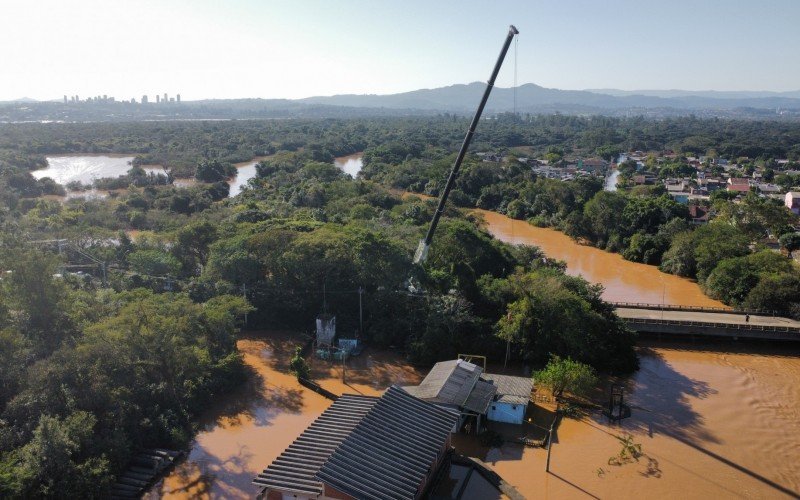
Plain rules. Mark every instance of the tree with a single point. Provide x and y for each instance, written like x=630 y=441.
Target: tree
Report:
x=552 y=313
x=298 y=364
x=790 y=241
x=566 y=376
x=214 y=171
x=55 y=462
x=154 y=262
x=779 y=293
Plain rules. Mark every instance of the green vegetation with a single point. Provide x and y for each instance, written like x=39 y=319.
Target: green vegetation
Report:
x=566 y=376
x=127 y=352
x=298 y=364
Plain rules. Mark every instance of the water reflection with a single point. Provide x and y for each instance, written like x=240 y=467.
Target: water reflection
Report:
x=350 y=164
x=84 y=168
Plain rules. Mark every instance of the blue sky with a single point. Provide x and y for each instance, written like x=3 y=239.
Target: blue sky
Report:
x=291 y=49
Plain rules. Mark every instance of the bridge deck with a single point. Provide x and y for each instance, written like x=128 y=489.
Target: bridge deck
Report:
x=707 y=317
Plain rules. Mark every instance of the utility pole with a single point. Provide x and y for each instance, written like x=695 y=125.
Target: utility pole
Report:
x=360 y=312
x=550 y=441
x=244 y=294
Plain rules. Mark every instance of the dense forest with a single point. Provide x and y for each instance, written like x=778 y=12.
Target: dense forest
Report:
x=118 y=316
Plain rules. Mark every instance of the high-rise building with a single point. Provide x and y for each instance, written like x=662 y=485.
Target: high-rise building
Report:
x=178 y=98
x=144 y=99
x=166 y=99
x=158 y=98
x=65 y=98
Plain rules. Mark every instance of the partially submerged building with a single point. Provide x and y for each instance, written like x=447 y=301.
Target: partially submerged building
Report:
x=364 y=447
x=464 y=387
x=511 y=398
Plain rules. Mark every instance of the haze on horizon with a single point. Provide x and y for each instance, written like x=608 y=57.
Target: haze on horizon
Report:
x=284 y=49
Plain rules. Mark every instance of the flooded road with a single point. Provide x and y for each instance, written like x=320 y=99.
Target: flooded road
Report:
x=245 y=432
x=716 y=423
x=624 y=281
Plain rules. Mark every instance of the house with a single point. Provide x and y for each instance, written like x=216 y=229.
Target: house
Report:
x=464 y=387
x=767 y=188
x=738 y=184
x=639 y=180
x=456 y=385
x=592 y=165
x=510 y=402
x=363 y=447
x=793 y=201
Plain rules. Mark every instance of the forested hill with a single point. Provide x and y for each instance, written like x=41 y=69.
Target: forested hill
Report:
x=458 y=99
x=533 y=98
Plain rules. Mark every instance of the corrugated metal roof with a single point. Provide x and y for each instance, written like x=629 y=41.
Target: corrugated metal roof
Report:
x=512 y=390
x=295 y=469
x=389 y=453
x=480 y=397
x=448 y=382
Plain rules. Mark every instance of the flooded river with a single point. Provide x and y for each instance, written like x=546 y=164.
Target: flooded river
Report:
x=624 y=281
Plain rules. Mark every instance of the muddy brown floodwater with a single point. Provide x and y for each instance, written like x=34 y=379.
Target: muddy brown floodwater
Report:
x=712 y=424
x=249 y=429
x=717 y=420
x=624 y=281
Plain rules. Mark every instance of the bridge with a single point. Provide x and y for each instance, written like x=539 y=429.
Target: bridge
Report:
x=707 y=322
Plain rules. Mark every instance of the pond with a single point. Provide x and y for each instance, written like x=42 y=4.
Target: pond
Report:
x=350 y=164
x=84 y=168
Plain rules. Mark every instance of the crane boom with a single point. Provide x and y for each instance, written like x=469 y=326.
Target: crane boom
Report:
x=424 y=245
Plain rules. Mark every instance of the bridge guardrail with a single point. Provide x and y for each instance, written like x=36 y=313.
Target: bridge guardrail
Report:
x=703 y=324
x=669 y=307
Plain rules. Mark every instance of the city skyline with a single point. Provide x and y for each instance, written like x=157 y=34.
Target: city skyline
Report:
x=276 y=49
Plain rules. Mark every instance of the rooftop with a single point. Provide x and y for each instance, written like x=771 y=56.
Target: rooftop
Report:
x=510 y=389
x=296 y=468
x=456 y=383
x=390 y=452
x=364 y=446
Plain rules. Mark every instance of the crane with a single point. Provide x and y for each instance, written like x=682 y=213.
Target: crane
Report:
x=424 y=244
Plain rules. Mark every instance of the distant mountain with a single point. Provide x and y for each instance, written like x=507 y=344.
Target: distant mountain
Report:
x=533 y=98
x=713 y=94
x=460 y=99
x=22 y=100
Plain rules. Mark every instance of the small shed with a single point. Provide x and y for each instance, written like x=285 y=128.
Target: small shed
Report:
x=326 y=330
x=510 y=402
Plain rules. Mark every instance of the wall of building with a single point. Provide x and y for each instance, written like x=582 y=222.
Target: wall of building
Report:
x=504 y=412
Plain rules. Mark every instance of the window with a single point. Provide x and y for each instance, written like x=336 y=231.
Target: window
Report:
x=514 y=407
x=494 y=407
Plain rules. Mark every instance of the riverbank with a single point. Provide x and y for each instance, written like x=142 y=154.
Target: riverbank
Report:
x=624 y=281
